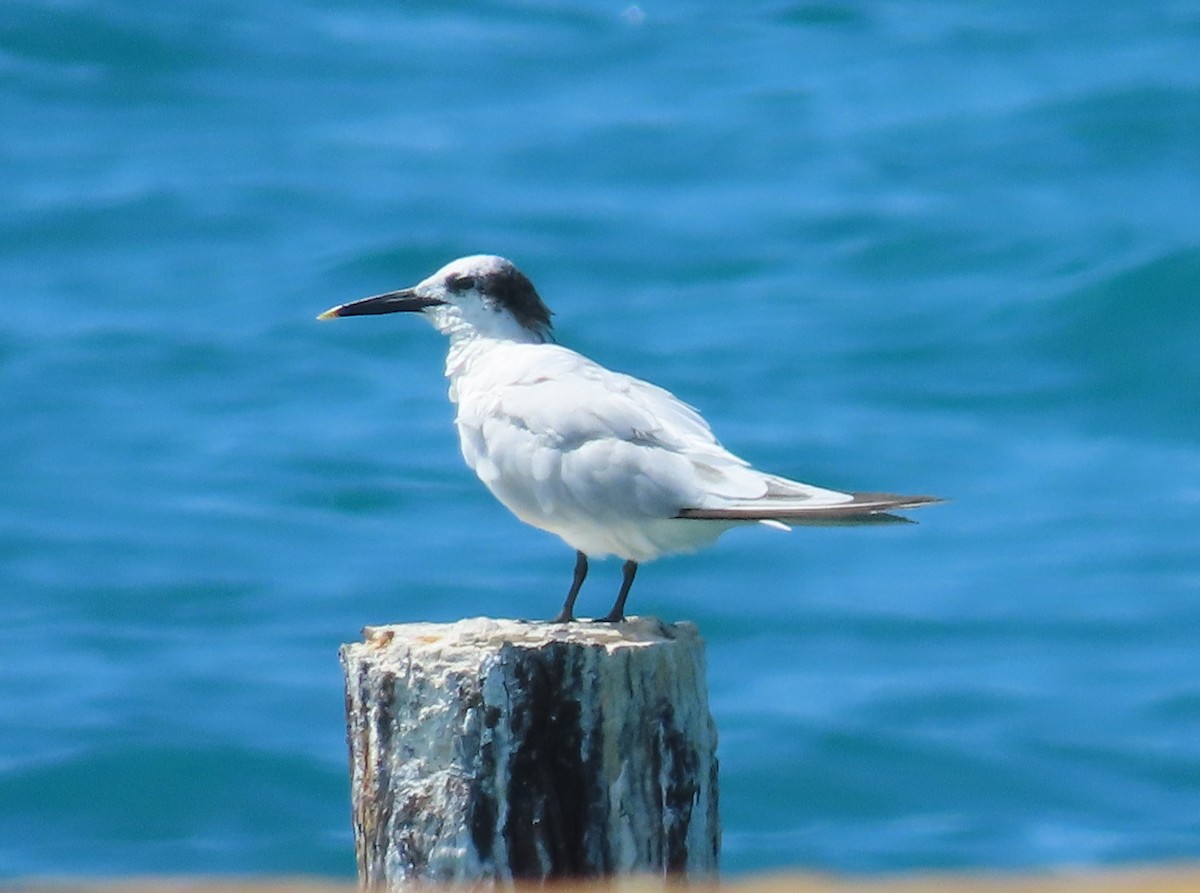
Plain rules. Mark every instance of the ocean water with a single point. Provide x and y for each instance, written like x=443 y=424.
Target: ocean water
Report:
x=917 y=246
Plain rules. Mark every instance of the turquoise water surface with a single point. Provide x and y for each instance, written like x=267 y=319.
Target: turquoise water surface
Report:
x=914 y=246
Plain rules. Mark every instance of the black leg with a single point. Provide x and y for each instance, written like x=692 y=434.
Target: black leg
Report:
x=617 y=614
x=567 y=614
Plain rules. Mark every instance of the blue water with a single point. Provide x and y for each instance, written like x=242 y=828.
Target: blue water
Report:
x=917 y=246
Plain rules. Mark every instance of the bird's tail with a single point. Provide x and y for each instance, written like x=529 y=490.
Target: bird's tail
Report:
x=792 y=503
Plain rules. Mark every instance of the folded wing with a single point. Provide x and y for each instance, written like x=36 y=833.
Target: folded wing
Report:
x=664 y=448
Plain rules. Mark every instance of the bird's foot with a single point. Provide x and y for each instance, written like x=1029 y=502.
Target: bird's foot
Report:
x=564 y=617
x=611 y=618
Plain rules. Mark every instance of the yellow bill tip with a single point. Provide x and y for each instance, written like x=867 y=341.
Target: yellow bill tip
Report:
x=331 y=313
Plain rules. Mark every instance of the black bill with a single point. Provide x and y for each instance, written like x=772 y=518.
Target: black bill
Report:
x=403 y=301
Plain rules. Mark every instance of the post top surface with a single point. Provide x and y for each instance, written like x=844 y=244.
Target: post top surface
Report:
x=490 y=633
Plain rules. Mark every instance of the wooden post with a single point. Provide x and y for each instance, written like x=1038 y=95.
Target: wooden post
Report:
x=497 y=749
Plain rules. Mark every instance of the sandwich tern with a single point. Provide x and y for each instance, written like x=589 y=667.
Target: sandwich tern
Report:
x=611 y=464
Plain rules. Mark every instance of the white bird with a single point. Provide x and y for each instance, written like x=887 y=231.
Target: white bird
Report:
x=611 y=464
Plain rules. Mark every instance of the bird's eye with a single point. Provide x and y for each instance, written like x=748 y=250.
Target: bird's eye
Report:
x=460 y=283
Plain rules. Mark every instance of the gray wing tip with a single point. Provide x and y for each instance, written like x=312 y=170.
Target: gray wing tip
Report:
x=863 y=508
x=894 y=500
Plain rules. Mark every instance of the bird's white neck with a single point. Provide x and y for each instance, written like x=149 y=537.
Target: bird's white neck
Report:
x=462 y=325
x=470 y=347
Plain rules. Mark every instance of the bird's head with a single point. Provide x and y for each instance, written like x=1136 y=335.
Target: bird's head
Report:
x=482 y=294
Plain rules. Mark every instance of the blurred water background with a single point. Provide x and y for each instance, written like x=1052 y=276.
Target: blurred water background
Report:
x=916 y=246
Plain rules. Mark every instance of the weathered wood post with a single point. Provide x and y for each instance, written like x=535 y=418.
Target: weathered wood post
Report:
x=497 y=750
